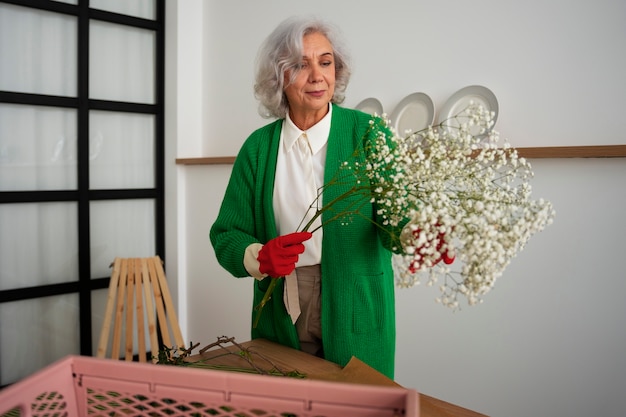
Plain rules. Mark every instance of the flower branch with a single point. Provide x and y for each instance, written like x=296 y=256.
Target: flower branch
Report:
x=450 y=190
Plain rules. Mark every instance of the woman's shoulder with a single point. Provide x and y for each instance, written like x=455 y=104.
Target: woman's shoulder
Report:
x=267 y=129
x=263 y=134
x=259 y=141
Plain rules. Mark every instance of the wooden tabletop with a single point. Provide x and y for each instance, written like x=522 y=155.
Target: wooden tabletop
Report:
x=271 y=357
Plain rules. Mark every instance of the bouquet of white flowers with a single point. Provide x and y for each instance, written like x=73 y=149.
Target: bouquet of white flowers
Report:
x=469 y=196
x=456 y=198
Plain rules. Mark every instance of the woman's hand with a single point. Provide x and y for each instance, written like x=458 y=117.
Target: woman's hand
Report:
x=278 y=257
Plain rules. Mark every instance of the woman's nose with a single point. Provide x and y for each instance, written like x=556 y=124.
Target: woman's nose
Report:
x=316 y=74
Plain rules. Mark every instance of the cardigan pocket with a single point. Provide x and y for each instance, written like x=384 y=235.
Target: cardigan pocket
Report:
x=367 y=302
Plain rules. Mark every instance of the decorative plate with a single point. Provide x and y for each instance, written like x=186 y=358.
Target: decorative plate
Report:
x=462 y=98
x=371 y=106
x=414 y=113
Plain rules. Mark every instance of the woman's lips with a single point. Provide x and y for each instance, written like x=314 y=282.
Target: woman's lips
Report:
x=318 y=93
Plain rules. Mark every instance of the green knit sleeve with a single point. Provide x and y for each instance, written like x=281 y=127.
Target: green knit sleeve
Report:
x=234 y=229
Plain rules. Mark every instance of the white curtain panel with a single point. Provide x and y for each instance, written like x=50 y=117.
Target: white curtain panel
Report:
x=121 y=150
x=37 y=148
x=37 y=332
x=38 y=244
x=123 y=228
x=38 y=152
x=138 y=8
x=121 y=63
x=37 y=51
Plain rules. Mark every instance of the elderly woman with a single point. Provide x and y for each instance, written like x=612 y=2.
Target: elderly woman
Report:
x=337 y=297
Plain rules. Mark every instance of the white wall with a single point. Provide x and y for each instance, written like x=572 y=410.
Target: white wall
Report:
x=548 y=340
x=556 y=66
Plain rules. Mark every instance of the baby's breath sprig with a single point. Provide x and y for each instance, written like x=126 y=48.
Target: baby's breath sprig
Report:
x=472 y=197
x=454 y=192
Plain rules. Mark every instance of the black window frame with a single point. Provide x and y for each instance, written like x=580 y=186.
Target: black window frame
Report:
x=83 y=195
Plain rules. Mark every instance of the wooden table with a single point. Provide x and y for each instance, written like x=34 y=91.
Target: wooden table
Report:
x=267 y=355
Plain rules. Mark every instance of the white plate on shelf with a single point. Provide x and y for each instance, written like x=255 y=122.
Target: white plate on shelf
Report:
x=462 y=98
x=370 y=106
x=414 y=113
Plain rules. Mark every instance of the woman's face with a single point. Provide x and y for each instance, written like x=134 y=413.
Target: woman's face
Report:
x=314 y=85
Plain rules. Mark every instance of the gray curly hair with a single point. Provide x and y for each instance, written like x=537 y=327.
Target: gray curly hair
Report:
x=282 y=51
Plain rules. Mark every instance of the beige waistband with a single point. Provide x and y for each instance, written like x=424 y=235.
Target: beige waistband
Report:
x=308 y=272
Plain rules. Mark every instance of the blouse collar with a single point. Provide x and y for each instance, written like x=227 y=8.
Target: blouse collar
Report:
x=317 y=134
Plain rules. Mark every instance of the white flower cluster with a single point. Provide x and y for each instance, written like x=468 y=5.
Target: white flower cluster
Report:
x=464 y=194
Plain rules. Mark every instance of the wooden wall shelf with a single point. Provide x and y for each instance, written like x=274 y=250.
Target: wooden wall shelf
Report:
x=602 y=151
x=206 y=160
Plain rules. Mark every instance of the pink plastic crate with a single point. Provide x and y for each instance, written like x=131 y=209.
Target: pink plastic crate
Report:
x=85 y=386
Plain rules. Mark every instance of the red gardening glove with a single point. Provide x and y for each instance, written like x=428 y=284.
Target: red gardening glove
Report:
x=278 y=257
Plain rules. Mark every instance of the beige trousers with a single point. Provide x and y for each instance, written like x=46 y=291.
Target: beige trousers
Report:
x=308 y=324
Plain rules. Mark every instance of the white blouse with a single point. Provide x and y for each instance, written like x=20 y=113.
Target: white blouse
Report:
x=292 y=195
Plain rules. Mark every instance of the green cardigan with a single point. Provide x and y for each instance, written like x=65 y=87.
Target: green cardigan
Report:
x=357 y=299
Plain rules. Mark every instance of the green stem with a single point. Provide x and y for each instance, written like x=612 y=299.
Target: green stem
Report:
x=330 y=204
x=318 y=212
x=266 y=297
